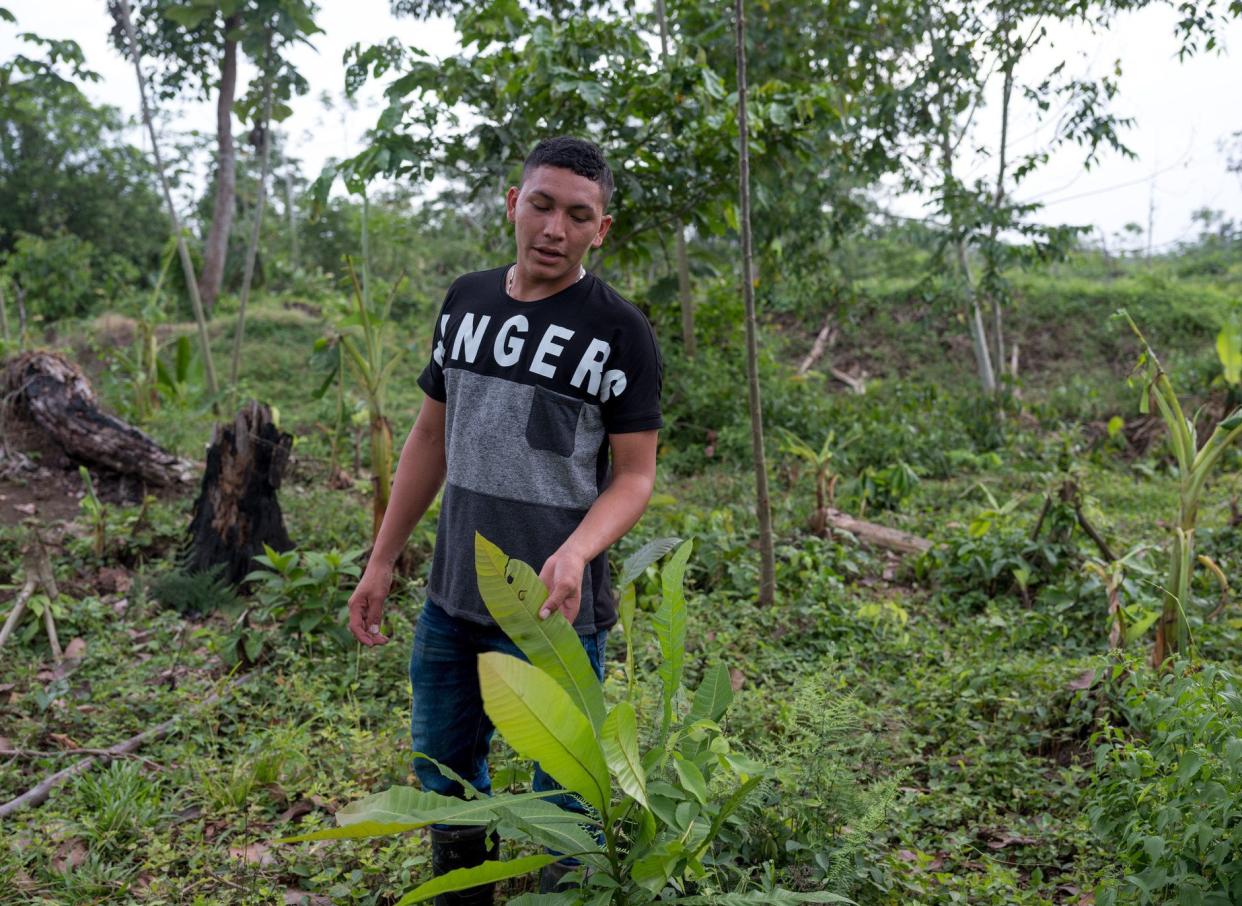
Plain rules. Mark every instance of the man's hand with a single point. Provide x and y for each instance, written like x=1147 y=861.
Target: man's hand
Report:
x=366 y=606
x=562 y=574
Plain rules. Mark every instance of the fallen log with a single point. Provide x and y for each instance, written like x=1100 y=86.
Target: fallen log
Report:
x=237 y=512
x=826 y=337
x=823 y=342
x=37 y=795
x=58 y=398
x=878 y=535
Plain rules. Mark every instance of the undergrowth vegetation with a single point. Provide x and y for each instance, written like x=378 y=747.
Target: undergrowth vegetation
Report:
x=973 y=724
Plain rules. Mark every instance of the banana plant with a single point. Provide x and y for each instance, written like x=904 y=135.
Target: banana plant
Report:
x=825 y=475
x=659 y=793
x=1194 y=466
x=365 y=357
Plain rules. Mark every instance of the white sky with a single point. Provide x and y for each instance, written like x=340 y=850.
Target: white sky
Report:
x=1184 y=110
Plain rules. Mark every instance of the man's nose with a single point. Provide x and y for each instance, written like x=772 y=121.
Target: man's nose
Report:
x=554 y=224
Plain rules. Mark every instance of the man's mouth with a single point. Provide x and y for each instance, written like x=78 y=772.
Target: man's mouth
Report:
x=547 y=254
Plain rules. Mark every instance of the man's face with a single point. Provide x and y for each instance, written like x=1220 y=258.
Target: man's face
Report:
x=558 y=216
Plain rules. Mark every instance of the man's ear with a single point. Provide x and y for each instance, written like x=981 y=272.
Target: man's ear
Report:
x=604 y=223
x=511 y=198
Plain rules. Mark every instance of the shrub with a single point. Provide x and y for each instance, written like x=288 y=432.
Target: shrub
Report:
x=1166 y=795
x=64 y=276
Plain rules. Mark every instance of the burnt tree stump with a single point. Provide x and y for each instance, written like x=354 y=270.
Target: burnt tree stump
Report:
x=58 y=399
x=237 y=512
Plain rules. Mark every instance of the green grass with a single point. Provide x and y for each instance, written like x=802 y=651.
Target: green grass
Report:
x=968 y=708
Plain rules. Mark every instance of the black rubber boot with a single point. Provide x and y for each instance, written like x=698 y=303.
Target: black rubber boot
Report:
x=550 y=878
x=463 y=847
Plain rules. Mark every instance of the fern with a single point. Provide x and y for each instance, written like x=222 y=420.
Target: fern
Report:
x=194 y=593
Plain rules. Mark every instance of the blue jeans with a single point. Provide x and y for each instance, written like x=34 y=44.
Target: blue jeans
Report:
x=447 y=720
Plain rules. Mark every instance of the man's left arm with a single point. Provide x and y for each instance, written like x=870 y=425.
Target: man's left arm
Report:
x=613 y=514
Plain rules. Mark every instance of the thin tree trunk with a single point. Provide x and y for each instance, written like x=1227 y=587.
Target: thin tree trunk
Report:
x=978 y=333
x=19 y=293
x=767 y=565
x=998 y=336
x=187 y=266
x=216 y=248
x=252 y=247
x=4 y=314
x=684 y=295
x=291 y=211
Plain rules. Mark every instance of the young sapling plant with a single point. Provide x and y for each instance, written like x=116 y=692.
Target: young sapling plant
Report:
x=1195 y=464
x=655 y=810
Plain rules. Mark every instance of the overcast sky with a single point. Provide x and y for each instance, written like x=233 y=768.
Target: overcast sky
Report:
x=1184 y=111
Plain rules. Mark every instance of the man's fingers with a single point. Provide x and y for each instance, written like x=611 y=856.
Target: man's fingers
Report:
x=364 y=620
x=374 y=613
x=560 y=599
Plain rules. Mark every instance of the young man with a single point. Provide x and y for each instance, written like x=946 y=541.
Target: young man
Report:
x=539 y=371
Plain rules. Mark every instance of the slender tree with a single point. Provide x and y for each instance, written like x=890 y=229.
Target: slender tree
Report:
x=199 y=45
x=684 y=295
x=767 y=559
x=252 y=247
x=122 y=11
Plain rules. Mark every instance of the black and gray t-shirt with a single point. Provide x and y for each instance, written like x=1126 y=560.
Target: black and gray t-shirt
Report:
x=532 y=391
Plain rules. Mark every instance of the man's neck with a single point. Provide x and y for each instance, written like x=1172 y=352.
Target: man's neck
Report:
x=524 y=289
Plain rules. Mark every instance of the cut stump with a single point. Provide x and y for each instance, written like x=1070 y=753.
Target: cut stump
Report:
x=237 y=512
x=58 y=399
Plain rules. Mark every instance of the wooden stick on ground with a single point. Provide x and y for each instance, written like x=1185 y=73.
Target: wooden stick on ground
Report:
x=38 y=795
x=878 y=535
x=19 y=607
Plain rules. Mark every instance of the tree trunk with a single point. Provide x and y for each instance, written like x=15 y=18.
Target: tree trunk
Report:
x=252 y=247
x=292 y=212
x=998 y=336
x=683 y=293
x=216 y=248
x=4 y=314
x=57 y=397
x=684 y=296
x=767 y=560
x=183 y=252
x=974 y=317
x=237 y=512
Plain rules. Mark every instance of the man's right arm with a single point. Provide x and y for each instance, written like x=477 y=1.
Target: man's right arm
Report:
x=420 y=473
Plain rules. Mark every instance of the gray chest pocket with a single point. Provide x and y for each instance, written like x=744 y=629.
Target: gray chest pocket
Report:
x=553 y=422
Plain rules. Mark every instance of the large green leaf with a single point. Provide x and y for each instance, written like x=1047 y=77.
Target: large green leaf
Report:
x=540 y=721
x=730 y=806
x=636 y=563
x=404 y=808
x=545 y=899
x=651 y=871
x=486 y=873
x=553 y=827
x=1229 y=349
x=670 y=625
x=713 y=696
x=512 y=592
x=619 y=740
x=691 y=778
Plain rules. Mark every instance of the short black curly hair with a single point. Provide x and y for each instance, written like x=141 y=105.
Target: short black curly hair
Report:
x=575 y=154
